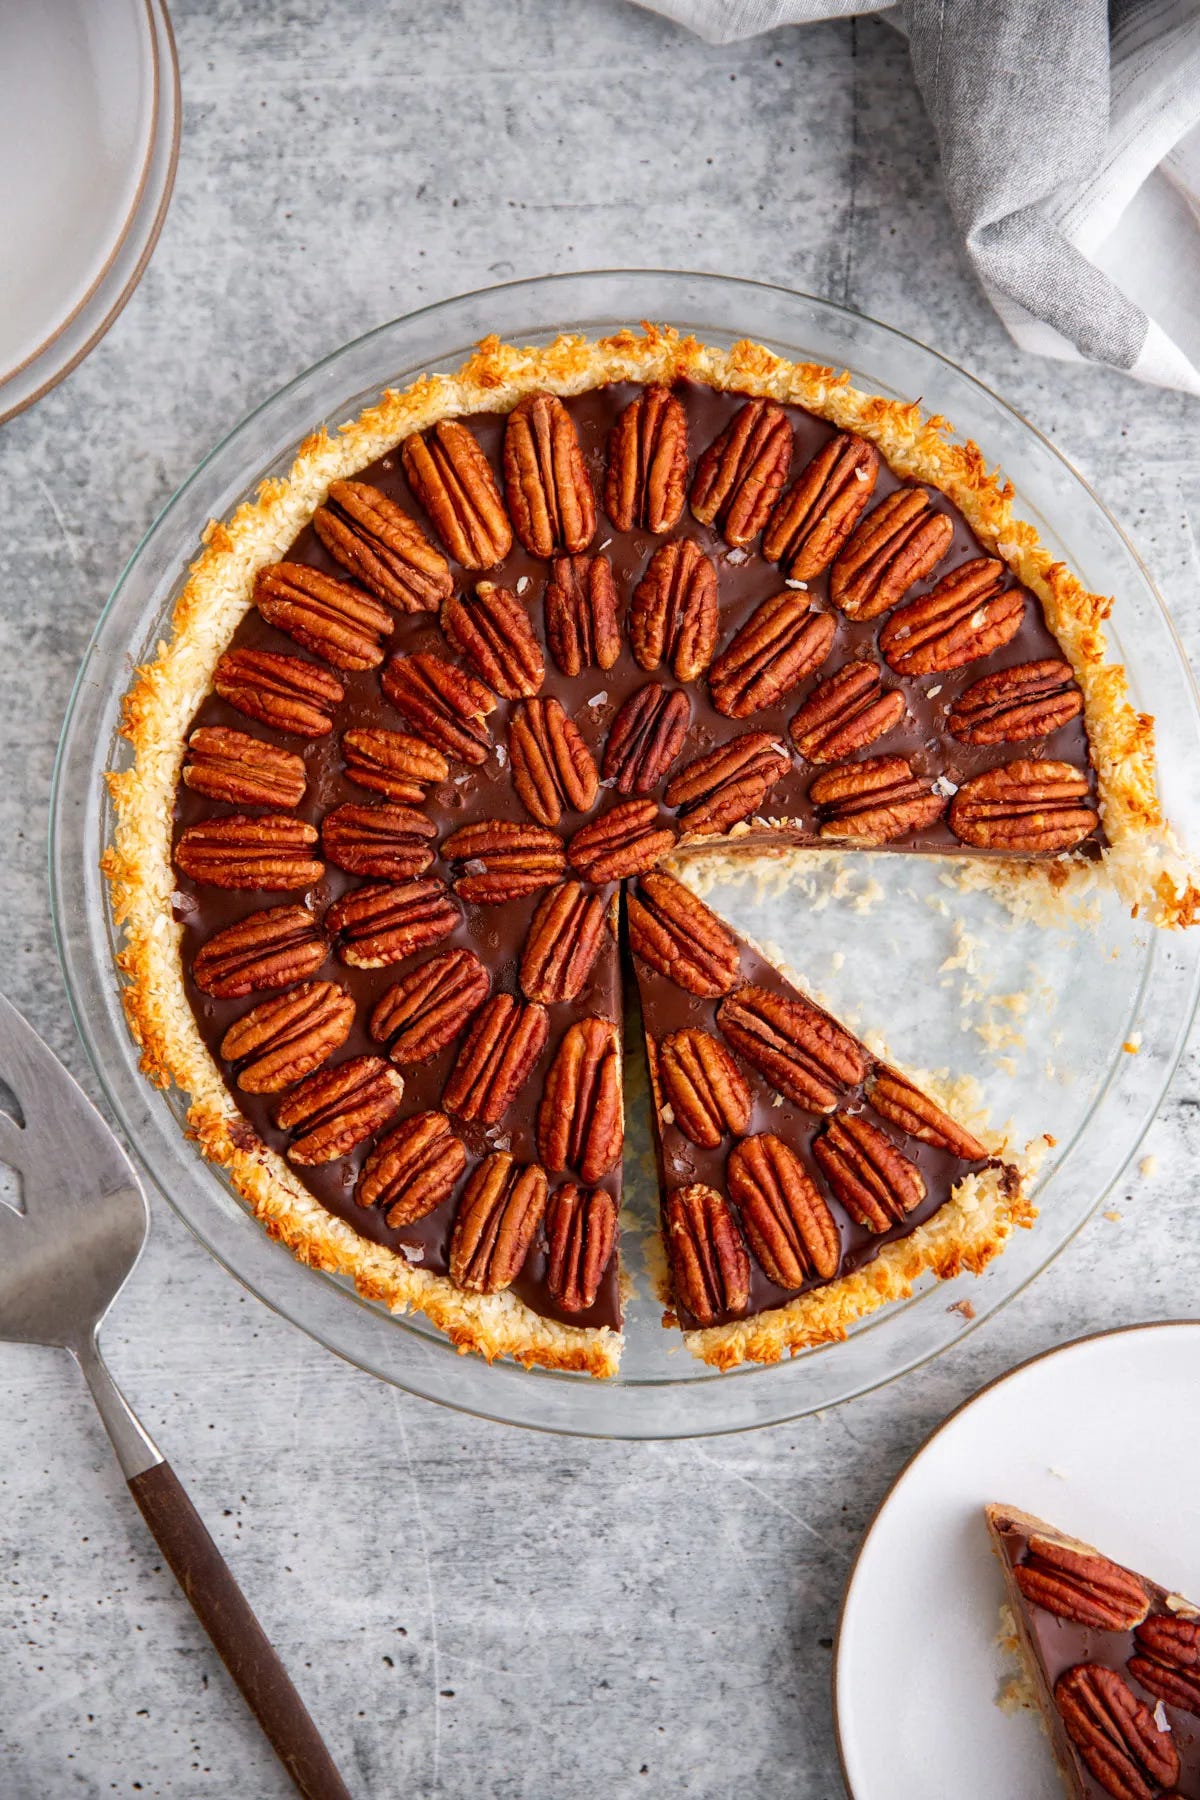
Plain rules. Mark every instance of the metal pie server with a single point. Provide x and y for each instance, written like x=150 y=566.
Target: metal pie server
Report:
x=63 y=1260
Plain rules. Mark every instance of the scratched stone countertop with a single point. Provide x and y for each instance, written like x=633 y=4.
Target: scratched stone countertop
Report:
x=467 y=1608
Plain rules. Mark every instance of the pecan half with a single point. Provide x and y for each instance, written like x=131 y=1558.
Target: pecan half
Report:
x=645 y=738
x=1028 y=701
x=496 y=1060
x=727 y=784
x=1079 y=1585
x=1167 y=1661
x=453 y=480
x=387 y=551
x=242 y=770
x=704 y=1087
x=874 y=801
x=501 y=1209
x=430 y=1005
x=393 y=842
x=283 y=692
x=801 y=1052
x=381 y=923
x=876 y=1184
x=741 y=474
x=782 y=642
x=280 y=1040
x=267 y=949
x=673 y=614
x=709 y=1265
x=897 y=544
x=968 y=614
x=494 y=634
x=413 y=1169
x=581 y=1234
x=392 y=763
x=329 y=617
x=271 y=850
x=844 y=713
x=646 y=483
x=552 y=768
x=581 y=1120
x=791 y=1229
x=503 y=860
x=822 y=507
x=445 y=705
x=1024 y=806
x=902 y=1104
x=626 y=840
x=337 y=1109
x=546 y=483
x=581 y=614
x=563 y=943
x=1114 y=1733
x=671 y=929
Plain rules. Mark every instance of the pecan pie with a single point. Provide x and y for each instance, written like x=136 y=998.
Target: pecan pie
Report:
x=1113 y=1661
x=466 y=679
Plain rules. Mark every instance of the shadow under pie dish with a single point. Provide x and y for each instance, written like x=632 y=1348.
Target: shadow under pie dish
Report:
x=710 y=601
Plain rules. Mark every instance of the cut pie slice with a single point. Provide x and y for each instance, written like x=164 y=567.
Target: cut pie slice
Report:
x=1113 y=1661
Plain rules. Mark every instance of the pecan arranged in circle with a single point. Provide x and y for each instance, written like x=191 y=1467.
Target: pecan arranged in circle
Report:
x=241 y=770
x=791 y=1229
x=709 y=1266
x=581 y=1234
x=496 y=1060
x=646 y=483
x=728 y=784
x=498 y=1215
x=741 y=474
x=671 y=929
x=453 y=480
x=280 y=1040
x=1028 y=807
x=563 y=943
x=552 y=768
x=1079 y=1585
x=626 y=840
x=645 y=738
x=581 y=1120
x=494 y=634
x=902 y=1104
x=283 y=692
x=547 y=486
x=267 y=949
x=673 y=614
x=329 y=617
x=392 y=763
x=1115 y=1733
x=703 y=1086
x=795 y=1046
x=270 y=850
x=784 y=641
x=876 y=1184
x=412 y=1169
x=337 y=1109
x=381 y=923
x=896 y=545
x=581 y=614
x=968 y=614
x=875 y=801
x=382 y=547
x=390 y=841
x=445 y=705
x=1012 y=705
x=430 y=1005
x=1167 y=1660
x=503 y=859
x=846 y=712
x=822 y=507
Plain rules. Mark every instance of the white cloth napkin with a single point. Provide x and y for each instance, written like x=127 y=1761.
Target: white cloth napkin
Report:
x=1069 y=133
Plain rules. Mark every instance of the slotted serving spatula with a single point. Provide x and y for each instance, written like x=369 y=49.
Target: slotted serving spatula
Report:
x=63 y=1260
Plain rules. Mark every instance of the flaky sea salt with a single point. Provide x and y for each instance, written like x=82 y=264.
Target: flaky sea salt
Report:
x=803 y=585
x=524 y=585
x=598 y=699
x=945 y=787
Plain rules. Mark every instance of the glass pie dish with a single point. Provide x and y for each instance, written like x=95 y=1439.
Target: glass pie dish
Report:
x=1073 y=1031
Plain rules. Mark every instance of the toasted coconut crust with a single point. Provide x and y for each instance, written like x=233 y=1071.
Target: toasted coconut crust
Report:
x=970 y=1229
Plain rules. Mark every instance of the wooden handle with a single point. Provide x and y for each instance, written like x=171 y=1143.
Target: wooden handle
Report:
x=240 y=1640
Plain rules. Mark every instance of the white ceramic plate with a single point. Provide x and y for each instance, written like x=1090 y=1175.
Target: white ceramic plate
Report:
x=1077 y=1436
